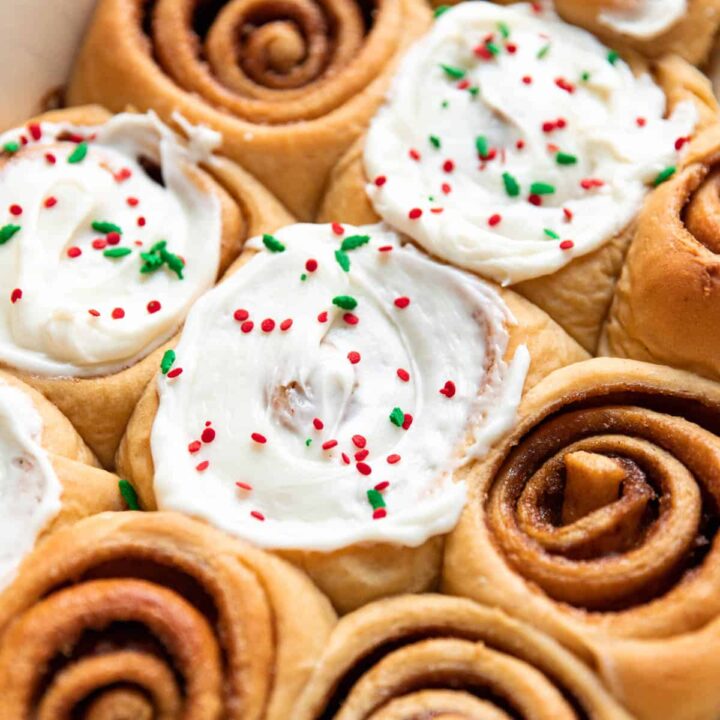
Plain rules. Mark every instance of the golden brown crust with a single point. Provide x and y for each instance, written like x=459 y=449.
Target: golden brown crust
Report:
x=100 y=407
x=166 y=598
x=289 y=137
x=434 y=656
x=639 y=572
x=578 y=295
x=667 y=302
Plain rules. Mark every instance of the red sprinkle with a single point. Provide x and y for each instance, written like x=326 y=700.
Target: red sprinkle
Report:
x=74 y=252
x=267 y=325
x=359 y=441
x=244 y=486
x=247 y=326
x=258 y=438
x=141 y=221
x=568 y=214
x=535 y=200
x=113 y=238
x=241 y=315
x=311 y=265
x=446 y=188
x=402 y=302
x=392 y=459
x=50 y=158
x=448 y=390
x=15 y=210
x=50 y=202
x=286 y=324
x=527 y=80
x=520 y=144
x=345 y=458
x=448 y=166
x=153 y=306
x=415 y=213
x=35 y=131
x=680 y=142
x=351 y=318
x=482 y=52
x=380 y=180
x=338 y=229
x=118 y=313
x=323 y=316
x=204 y=465
x=414 y=154
x=494 y=219
x=329 y=444
x=318 y=424
x=94 y=313
x=257 y=515
x=132 y=201
x=589 y=183
x=208 y=435
x=384 y=485
x=175 y=372
x=361 y=454
x=363 y=468
x=407 y=422
x=567 y=245
x=194 y=446
x=123 y=174
x=15 y=295
x=561 y=123
x=99 y=243
x=354 y=357
x=385 y=248
x=563 y=84
x=511 y=48
x=463 y=85
x=640 y=121
x=404 y=375
x=379 y=514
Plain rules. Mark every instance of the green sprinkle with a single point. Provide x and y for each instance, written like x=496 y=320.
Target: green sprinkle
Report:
x=543 y=51
x=512 y=187
x=7 y=231
x=151 y=262
x=11 y=147
x=444 y=104
x=397 y=417
x=481 y=145
x=167 y=361
x=585 y=76
x=352 y=242
x=78 y=154
x=308 y=442
x=273 y=244
x=613 y=56
x=551 y=233
x=375 y=499
x=129 y=495
x=117 y=252
x=541 y=188
x=493 y=48
x=435 y=141
x=303 y=277
x=440 y=10
x=346 y=302
x=504 y=29
x=565 y=159
x=174 y=262
x=454 y=73
x=343 y=260
x=105 y=227
x=475 y=90
x=664 y=175
x=431 y=198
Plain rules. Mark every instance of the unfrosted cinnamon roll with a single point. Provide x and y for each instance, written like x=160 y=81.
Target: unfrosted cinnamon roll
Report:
x=430 y=656
x=322 y=396
x=596 y=522
x=111 y=227
x=666 y=307
x=48 y=476
x=136 y=615
x=289 y=83
x=517 y=146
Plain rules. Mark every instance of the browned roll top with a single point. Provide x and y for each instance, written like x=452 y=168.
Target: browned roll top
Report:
x=701 y=213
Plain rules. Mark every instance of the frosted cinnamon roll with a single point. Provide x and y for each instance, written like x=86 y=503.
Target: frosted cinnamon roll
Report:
x=652 y=27
x=289 y=84
x=516 y=145
x=159 y=616
x=431 y=656
x=596 y=522
x=111 y=229
x=323 y=395
x=48 y=476
x=667 y=305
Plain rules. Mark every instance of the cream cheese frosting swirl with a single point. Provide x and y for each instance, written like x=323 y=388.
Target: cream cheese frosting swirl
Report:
x=512 y=142
x=29 y=488
x=324 y=393
x=643 y=19
x=108 y=234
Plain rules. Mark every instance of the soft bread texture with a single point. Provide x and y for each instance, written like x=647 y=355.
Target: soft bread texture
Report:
x=364 y=572
x=612 y=571
x=165 y=597
x=289 y=99
x=666 y=307
x=579 y=295
x=100 y=407
x=433 y=656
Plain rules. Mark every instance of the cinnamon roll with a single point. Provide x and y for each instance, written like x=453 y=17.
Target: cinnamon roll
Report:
x=289 y=83
x=596 y=522
x=48 y=476
x=430 y=656
x=322 y=396
x=112 y=226
x=156 y=615
x=517 y=146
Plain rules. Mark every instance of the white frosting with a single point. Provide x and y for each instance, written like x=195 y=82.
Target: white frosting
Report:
x=51 y=330
x=277 y=383
x=601 y=132
x=644 y=19
x=29 y=489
